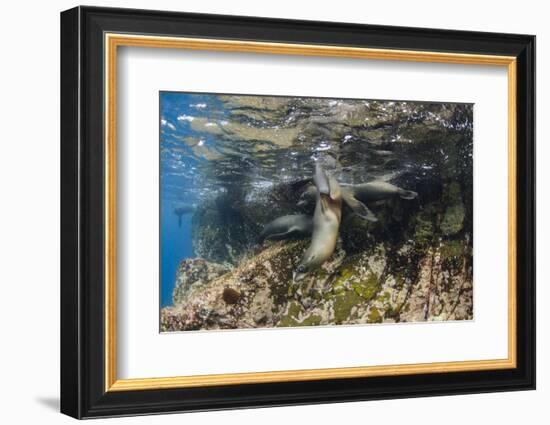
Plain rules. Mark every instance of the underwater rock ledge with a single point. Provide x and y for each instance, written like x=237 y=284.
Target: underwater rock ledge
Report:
x=408 y=285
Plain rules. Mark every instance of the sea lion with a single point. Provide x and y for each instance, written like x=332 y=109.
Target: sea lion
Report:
x=308 y=196
x=326 y=221
x=355 y=196
x=378 y=190
x=179 y=211
x=348 y=197
x=288 y=226
x=358 y=207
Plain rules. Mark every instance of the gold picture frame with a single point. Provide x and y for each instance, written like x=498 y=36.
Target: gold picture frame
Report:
x=114 y=41
x=113 y=38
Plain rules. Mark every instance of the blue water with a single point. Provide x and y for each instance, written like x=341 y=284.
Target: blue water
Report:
x=175 y=245
x=177 y=185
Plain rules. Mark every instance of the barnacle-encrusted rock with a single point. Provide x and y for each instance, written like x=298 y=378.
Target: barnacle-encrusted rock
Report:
x=195 y=272
x=409 y=284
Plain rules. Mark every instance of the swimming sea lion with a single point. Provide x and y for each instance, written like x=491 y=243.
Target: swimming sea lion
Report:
x=179 y=211
x=355 y=196
x=378 y=190
x=326 y=221
x=288 y=226
x=348 y=197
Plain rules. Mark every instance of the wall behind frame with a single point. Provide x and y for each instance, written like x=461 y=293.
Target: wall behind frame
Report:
x=29 y=217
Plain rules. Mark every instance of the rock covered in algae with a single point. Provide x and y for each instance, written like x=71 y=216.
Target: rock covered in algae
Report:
x=220 y=231
x=384 y=285
x=194 y=272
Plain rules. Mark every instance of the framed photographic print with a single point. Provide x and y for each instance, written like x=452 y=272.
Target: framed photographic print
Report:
x=261 y=212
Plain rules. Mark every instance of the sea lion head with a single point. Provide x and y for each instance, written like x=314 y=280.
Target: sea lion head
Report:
x=299 y=273
x=307 y=198
x=307 y=264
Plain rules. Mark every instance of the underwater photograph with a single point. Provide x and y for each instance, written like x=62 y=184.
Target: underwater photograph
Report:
x=304 y=211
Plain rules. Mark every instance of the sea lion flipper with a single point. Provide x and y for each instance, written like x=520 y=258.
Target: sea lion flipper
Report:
x=323 y=203
x=322 y=183
x=359 y=207
x=321 y=180
x=407 y=194
x=334 y=187
x=281 y=236
x=326 y=184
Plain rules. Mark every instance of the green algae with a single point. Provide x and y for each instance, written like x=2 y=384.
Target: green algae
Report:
x=367 y=288
x=312 y=320
x=452 y=248
x=343 y=303
x=374 y=316
x=344 y=275
x=291 y=316
x=452 y=254
x=424 y=227
x=453 y=220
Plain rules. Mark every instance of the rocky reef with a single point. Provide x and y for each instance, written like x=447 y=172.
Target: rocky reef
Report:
x=362 y=288
x=254 y=159
x=227 y=227
x=425 y=274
